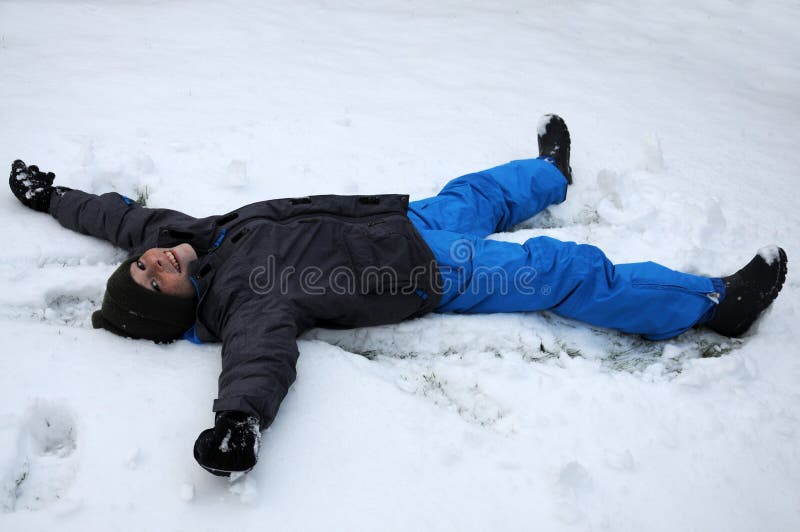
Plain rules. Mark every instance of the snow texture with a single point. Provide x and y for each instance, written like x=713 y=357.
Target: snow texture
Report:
x=541 y=126
x=684 y=122
x=770 y=254
x=223 y=446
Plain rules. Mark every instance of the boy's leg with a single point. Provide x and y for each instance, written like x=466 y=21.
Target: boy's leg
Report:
x=493 y=200
x=575 y=281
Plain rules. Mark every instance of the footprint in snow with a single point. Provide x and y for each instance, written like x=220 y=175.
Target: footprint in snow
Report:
x=38 y=462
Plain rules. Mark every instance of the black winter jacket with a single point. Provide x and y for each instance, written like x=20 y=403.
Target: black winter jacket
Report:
x=268 y=271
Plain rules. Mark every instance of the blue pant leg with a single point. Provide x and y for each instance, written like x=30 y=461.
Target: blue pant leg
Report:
x=493 y=200
x=572 y=280
x=644 y=297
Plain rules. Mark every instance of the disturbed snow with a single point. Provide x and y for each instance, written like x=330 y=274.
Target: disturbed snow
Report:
x=683 y=122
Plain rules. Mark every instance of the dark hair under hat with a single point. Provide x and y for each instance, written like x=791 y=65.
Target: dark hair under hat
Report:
x=132 y=310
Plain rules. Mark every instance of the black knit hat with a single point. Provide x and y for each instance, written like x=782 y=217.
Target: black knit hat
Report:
x=132 y=310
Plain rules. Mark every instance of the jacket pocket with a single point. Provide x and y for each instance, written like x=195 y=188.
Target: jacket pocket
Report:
x=383 y=259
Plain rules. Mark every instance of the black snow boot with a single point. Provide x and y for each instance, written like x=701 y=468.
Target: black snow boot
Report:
x=749 y=292
x=554 y=142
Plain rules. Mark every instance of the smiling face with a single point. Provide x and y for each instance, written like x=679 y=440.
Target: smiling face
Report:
x=165 y=270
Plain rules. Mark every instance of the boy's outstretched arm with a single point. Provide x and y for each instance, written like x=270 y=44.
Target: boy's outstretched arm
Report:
x=259 y=357
x=111 y=216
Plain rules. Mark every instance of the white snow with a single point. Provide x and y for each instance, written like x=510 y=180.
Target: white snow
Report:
x=223 y=446
x=541 y=126
x=769 y=253
x=187 y=492
x=684 y=121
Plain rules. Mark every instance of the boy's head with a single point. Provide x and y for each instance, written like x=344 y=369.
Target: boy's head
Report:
x=150 y=296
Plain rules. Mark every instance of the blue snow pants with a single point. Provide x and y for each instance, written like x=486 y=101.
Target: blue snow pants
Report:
x=573 y=280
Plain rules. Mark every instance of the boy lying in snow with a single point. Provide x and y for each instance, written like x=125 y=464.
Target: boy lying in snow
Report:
x=259 y=276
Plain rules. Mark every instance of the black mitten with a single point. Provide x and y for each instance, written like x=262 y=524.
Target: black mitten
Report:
x=33 y=187
x=231 y=446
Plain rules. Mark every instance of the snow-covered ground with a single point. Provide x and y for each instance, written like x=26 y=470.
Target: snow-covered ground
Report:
x=684 y=119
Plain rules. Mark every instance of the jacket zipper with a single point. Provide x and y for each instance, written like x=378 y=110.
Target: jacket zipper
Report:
x=371 y=221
